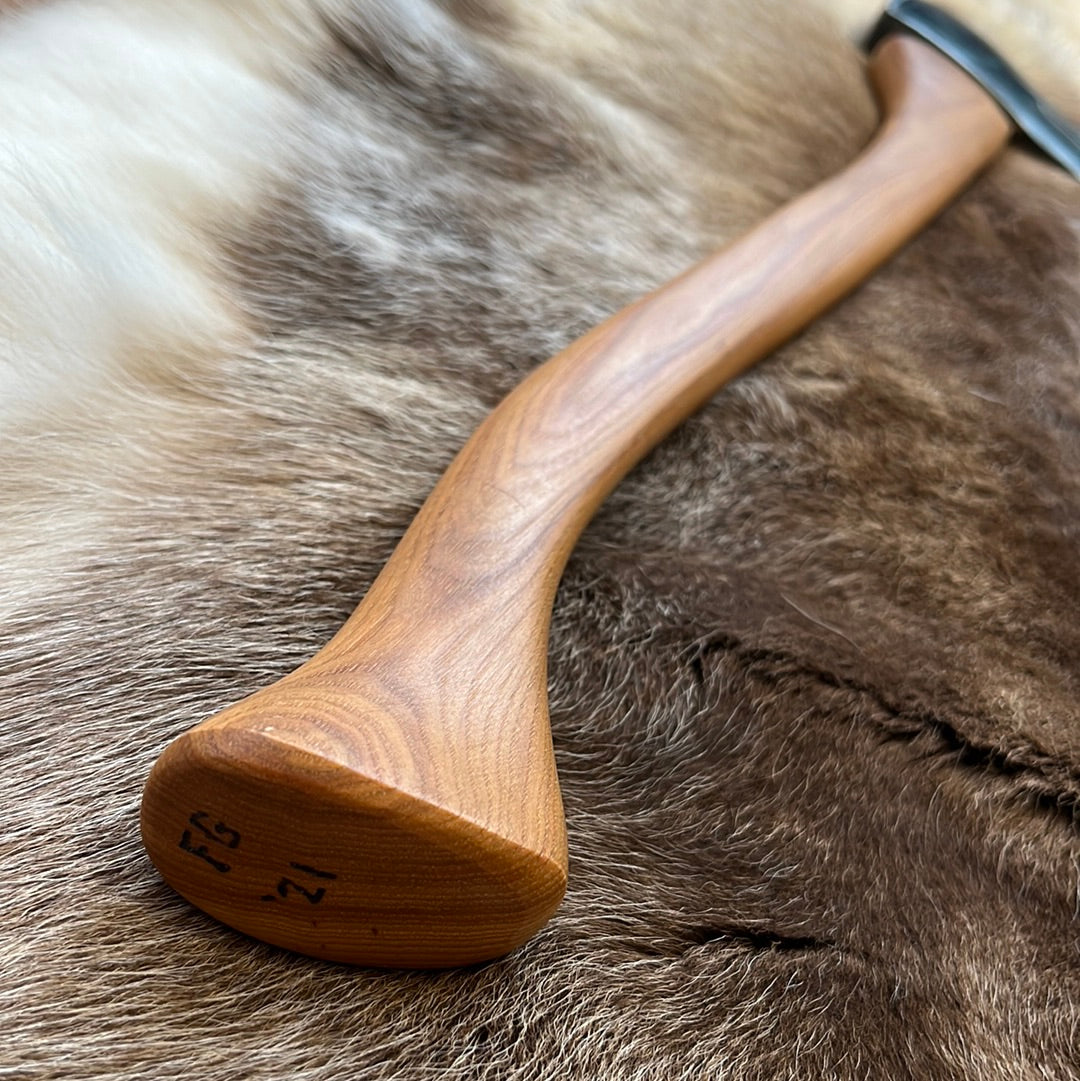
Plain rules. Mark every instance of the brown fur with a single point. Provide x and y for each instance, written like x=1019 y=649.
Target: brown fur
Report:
x=814 y=668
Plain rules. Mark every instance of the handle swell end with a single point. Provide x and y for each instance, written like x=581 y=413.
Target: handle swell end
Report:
x=307 y=854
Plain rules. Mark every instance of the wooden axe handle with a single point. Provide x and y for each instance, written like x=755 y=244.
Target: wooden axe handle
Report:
x=394 y=801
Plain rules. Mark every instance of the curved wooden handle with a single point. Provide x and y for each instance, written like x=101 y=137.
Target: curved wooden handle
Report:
x=404 y=776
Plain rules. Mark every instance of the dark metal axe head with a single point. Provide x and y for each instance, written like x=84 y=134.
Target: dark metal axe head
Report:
x=1044 y=127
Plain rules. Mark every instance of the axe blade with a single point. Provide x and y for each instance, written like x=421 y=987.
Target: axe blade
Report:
x=1044 y=127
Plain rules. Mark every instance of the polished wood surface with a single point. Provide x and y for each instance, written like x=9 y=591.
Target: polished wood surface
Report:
x=394 y=801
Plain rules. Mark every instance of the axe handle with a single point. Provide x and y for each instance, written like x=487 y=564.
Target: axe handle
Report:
x=436 y=686
x=499 y=526
x=488 y=546
x=512 y=504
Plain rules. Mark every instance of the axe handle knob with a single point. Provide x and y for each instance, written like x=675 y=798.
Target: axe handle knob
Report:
x=394 y=801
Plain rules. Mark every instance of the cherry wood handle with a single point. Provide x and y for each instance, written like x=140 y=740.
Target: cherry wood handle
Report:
x=496 y=531
x=430 y=704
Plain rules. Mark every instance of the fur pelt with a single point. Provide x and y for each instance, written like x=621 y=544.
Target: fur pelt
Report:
x=814 y=667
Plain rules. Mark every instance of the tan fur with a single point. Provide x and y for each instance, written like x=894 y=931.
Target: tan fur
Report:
x=813 y=668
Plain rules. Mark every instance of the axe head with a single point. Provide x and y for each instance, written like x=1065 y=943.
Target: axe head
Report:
x=1044 y=128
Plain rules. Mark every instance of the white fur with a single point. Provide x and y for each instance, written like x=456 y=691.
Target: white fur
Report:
x=128 y=130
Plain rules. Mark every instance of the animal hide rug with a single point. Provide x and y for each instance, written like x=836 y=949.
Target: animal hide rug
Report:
x=814 y=667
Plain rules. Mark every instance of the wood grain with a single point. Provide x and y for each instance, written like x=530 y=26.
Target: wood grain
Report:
x=394 y=801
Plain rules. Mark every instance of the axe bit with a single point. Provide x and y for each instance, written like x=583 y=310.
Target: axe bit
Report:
x=394 y=801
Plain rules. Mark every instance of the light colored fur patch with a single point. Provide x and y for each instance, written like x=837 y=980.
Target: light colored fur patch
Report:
x=131 y=135
x=127 y=132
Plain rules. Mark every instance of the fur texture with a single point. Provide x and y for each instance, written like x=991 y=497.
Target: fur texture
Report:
x=813 y=668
